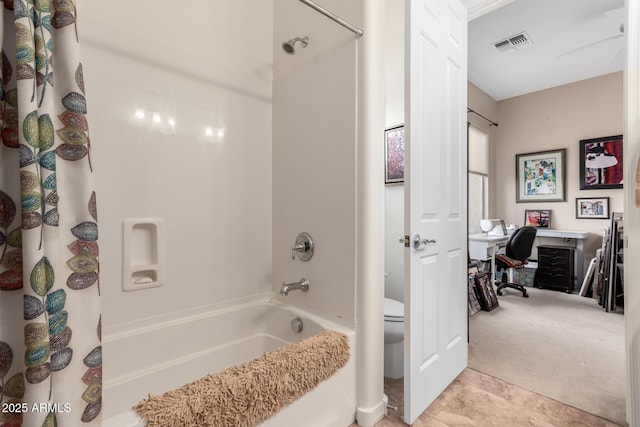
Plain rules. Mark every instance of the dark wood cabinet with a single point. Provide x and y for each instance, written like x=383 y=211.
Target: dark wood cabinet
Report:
x=555 y=268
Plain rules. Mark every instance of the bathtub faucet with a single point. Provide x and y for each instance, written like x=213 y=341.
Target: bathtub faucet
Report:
x=302 y=284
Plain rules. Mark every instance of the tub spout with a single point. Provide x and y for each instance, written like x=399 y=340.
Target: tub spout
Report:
x=302 y=284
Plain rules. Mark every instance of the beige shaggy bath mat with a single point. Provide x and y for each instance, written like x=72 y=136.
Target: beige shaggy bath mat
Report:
x=248 y=394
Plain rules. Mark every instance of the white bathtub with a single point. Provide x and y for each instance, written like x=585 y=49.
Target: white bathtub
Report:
x=153 y=357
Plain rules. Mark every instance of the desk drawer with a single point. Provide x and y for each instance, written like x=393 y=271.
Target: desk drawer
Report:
x=559 y=259
x=547 y=278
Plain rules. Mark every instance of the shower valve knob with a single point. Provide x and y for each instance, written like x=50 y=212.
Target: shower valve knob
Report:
x=298 y=248
x=303 y=247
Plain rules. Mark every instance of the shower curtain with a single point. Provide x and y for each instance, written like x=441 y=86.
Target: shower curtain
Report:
x=50 y=344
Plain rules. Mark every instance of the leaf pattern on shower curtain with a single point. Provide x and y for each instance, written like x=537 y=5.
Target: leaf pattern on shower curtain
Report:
x=10 y=253
x=48 y=239
x=85 y=267
x=84 y=263
x=12 y=388
x=76 y=141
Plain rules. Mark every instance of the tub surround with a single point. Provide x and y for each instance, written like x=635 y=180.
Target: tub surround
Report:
x=314 y=149
x=214 y=151
x=154 y=158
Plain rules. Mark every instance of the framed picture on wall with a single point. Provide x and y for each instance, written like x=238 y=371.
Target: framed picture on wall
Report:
x=601 y=163
x=394 y=155
x=540 y=218
x=541 y=176
x=592 y=207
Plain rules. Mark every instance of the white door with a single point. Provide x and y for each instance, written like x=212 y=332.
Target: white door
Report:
x=435 y=200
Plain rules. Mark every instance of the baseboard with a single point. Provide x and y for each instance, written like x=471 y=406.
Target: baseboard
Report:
x=368 y=417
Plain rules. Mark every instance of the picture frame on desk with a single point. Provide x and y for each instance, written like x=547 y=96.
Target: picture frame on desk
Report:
x=541 y=176
x=394 y=155
x=539 y=218
x=592 y=208
x=601 y=163
x=487 y=295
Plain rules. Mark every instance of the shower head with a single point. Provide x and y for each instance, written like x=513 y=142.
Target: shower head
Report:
x=289 y=48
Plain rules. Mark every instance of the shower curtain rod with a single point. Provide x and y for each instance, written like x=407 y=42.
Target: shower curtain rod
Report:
x=491 y=122
x=333 y=17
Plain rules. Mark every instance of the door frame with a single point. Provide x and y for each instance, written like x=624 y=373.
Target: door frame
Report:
x=632 y=148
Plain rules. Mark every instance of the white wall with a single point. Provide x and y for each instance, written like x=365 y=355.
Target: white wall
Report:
x=552 y=119
x=314 y=156
x=213 y=193
x=394 y=193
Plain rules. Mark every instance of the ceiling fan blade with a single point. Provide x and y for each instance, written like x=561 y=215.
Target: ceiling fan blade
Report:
x=590 y=45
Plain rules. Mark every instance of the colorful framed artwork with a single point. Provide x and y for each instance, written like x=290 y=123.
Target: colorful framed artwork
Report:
x=394 y=155
x=601 y=163
x=541 y=176
x=539 y=218
x=592 y=207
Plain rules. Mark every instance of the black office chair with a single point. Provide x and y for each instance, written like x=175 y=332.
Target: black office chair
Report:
x=515 y=257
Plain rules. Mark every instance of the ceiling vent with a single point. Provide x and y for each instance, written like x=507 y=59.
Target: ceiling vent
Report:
x=512 y=43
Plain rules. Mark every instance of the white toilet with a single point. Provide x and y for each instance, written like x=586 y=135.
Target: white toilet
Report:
x=393 y=338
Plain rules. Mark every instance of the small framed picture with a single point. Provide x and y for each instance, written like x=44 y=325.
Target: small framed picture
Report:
x=592 y=207
x=488 y=299
x=394 y=155
x=540 y=218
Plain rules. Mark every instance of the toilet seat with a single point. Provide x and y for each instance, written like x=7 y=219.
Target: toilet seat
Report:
x=393 y=310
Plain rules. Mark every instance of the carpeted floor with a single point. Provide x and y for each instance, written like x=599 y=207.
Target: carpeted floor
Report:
x=559 y=345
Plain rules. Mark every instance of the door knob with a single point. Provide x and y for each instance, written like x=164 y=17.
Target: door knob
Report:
x=417 y=241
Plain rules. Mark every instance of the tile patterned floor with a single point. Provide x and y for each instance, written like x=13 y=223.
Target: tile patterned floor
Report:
x=477 y=399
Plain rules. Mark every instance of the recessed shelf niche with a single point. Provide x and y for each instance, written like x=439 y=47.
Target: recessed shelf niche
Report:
x=143 y=253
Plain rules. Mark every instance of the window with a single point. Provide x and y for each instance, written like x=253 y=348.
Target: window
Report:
x=478 y=178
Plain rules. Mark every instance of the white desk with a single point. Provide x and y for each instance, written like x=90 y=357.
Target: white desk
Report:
x=579 y=237
x=484 y=247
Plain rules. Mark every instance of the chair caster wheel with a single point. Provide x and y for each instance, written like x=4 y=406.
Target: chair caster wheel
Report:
x=525 y=295
x=499 y=293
